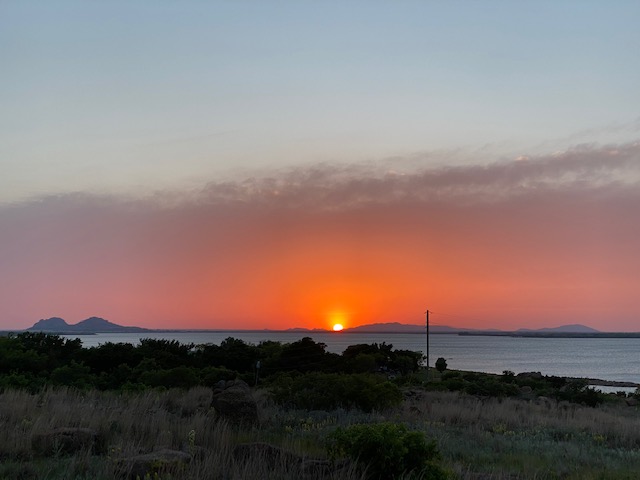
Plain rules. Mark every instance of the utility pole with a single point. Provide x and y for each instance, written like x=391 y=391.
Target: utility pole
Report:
x=427 y=319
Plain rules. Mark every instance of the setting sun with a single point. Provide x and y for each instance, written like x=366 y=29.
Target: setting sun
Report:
x=337 y=319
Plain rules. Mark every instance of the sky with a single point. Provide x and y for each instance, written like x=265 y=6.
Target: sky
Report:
x=296 y=164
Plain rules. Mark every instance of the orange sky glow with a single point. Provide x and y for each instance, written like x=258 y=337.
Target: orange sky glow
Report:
x=504 y=246
x=273 y=165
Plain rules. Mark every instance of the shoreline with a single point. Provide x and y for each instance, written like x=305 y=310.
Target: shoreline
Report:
x=552 y=334
x=606 y=383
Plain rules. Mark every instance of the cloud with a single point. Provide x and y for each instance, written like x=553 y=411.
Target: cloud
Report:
x=546 y=238
x=341 y=187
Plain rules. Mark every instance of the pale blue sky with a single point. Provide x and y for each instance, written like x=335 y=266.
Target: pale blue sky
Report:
x=148 y=95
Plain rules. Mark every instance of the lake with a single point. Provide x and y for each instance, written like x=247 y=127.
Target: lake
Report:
x=613 y=359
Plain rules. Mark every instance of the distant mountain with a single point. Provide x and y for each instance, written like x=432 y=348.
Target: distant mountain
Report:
x=396 y=327
x=563 y=331
x=100 y=325
x=573 y=328
x=54 y=324
x=90 y=325
x=302 y=329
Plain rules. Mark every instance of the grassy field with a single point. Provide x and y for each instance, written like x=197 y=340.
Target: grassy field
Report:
x=479 y=438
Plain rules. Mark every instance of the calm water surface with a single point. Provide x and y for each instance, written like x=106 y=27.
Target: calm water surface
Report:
x=604 y=358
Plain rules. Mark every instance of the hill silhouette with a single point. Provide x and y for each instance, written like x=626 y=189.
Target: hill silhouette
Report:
x=87 y=326
x=573 y=328
x=100 y=325
x=396 y=327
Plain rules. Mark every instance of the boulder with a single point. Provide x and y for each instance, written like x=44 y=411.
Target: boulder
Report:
x=269 y=455
x=544 y=401
x=273 y=457
x=67 y=441
x=631 y=401
x=234 y=401
x=313 y=468
x=161 y=462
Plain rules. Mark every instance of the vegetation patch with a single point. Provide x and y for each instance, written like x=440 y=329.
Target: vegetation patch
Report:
x=388 y=450
x=69 y=412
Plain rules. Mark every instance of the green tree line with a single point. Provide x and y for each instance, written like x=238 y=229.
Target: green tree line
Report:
x=32 y=360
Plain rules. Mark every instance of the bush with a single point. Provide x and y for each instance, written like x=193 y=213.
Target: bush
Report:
x=387 y=450
x=21 y=381
x=508 y=376
x=578 y=391
x=179 y=377
x=441 y=364
x=328 y=391
x=73 y=375
x=449 y=375
x=488 y=386
x=454 y=384
x=209 y=376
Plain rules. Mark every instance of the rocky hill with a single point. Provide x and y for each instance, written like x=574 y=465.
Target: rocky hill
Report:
x=88 y=326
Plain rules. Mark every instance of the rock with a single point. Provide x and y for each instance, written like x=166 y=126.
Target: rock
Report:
x=234 y=402
x=566 y=406
x=545 y=401
x=19 y=471
x=314 y=468
x=631 y=401
x=269 y=455
x=275 y=457
x=161 y=462
x=526 y=389
x=67 y=441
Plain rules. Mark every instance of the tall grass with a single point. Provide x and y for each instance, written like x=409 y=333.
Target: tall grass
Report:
x=479 y=438
x=134 y=424
x=509 y=438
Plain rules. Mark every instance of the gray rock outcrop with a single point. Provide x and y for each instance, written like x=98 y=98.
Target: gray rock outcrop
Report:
x=233 y=400
x=67 y=441
x=273 y=457
x=161 y=462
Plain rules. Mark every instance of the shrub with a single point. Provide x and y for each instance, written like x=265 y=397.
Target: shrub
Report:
x=328 y=391
x=21 y=381
x=441 y=364
x=490 y=387
x=454 y=384
x=387 y=450
x=508 y=376
x=73 y=375
x=179 y=377
x=449 y=375
x=211 y=375
x=578 y=391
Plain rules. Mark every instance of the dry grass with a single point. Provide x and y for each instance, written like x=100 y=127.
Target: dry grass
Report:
x=509 y=438
x=478 y=438
x=618 y=424
x=134 y=424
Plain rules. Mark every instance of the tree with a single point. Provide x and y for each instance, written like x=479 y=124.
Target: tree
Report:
x=305 y=355
x=167 y=353
x=441 y=364
x=406 y=361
